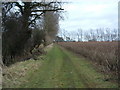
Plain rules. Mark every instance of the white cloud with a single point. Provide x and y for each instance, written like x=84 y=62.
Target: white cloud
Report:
x=90 y=14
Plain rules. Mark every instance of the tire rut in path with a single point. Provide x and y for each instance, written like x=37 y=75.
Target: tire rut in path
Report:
x=66 y=71
x=77 y=71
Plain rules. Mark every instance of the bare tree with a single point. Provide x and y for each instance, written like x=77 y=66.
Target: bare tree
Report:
x=51 y=26
x=80 y=34
x=108 y=37
x=87 y=36
x=102 y=34
x=64 y=34
x=114 y=34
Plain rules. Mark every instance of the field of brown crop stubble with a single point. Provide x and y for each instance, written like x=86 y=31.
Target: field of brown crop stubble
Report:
x=103 y=54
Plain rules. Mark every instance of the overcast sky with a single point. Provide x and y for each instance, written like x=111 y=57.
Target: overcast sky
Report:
x=90 y=14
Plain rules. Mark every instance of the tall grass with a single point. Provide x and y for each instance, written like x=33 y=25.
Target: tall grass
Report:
x=104 y=54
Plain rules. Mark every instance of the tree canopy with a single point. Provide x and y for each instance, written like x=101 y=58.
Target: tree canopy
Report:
x=27 y=22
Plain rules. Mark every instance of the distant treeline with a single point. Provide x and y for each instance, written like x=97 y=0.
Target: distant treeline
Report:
x=90 y=35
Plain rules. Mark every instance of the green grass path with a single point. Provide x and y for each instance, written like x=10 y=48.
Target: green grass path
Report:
x=62 y=69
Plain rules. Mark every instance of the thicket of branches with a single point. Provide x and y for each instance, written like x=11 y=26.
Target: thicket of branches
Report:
x=25 y=25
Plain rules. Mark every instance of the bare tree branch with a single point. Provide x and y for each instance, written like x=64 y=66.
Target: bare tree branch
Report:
x=20 y=7
x=36 y=16
x=47 y=10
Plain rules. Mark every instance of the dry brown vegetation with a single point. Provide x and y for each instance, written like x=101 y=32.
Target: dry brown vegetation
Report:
x=103 y=54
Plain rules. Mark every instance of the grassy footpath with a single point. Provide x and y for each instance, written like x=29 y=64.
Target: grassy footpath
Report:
x=59 y=69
